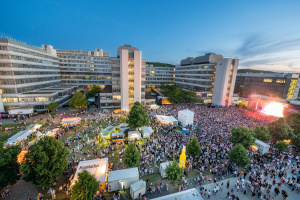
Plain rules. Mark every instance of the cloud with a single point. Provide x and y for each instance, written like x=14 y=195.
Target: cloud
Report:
x=259 y=52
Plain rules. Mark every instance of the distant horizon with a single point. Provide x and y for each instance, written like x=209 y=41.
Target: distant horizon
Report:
x=261 y=35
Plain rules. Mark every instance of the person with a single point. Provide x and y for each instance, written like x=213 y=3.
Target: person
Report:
x=208 y=194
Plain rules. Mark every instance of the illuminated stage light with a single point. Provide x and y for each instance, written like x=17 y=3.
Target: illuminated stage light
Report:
x=273 y=108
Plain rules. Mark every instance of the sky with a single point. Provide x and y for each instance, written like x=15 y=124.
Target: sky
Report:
x=263 y=34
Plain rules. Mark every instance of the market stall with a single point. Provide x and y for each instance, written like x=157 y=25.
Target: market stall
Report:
x=137 y=188
x=134 y=135
x=154 y=106
x=18 y=137
x=122 y=179
x=97 y=168
x=167 y=120
x=124 y=127
x=51 y=133
x=162 y=168
x=73 y=121
x=117 y=137
x=186 y=117
x=147 y=131
x=106 y=133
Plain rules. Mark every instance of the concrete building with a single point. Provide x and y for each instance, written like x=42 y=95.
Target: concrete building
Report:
x=155 y=76
x=29 y=77
x=132 y=76
x=280 y=85
x=211 y=76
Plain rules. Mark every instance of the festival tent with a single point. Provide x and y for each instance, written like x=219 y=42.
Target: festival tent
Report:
x=51 y=133
x=70 y=121
x=167 y=119
x=183 y=195
x=15 y=139
x=122 y=179
x=162 y=168
x=119 y=135
x=132 y=135
x=186 y=117
x=146 y=131
x=34 y=127
x=96 y=167
x=124 y=127
x=154 y=106
x=106 y=133
x=137 y=188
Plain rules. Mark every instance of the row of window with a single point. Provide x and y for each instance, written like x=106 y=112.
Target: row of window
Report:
x=16 y=100
x=14 y=49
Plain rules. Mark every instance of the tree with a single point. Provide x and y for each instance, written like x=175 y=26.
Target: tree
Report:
x=296 y=140
x=131 y=156
x=293 y=121
x=173 y=171
x=9 y=168
x=78 y=101
x=85 y=187
x=262 y=133
x=238 y=155
x=280 y=130
x=138 y=116
x=193 y=147
x=281 y=146
x=96 y=89
x=47 y=160
x=52 y=106
x=90 y=94
x=242 y=135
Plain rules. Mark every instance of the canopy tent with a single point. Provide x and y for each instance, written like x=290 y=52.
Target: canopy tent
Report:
x=154 y=106
x=119 y=135
x=34 y=127
x=162 y=168
x=146 y=131
x=186 y=117
x=51 y=133
x=137 y=188
x=261 y=146
x=97 y=168
x=132 y=135
x=120 y=179
x=124 y=127
x=18 y=137
x=106 y=133
x=167 y=119
x=71 y=121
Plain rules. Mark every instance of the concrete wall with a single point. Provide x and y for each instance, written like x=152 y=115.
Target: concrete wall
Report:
x=235 y=64
x=137 y=75
x=124 y=80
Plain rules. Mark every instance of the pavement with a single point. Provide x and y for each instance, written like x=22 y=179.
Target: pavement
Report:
x=22 y=190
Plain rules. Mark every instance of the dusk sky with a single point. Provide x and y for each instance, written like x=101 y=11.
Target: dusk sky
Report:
x=262 y=34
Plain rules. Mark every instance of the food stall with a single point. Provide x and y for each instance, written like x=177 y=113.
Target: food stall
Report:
x=73 y=121
x=117 y=137
x=96 y=167
x=137 y=188
x=51 y=133
x=134 y=135
x=147 y=131
x=122 y=179
x=106 y=133
x=162 y=168
x=186 y=117
x=167 y=120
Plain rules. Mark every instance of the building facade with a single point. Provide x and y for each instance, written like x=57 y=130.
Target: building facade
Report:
x=279 y=85
x=29 y=76
x=211 y=76
x=155 y=76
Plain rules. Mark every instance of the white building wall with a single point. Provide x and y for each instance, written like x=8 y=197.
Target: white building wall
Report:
x=221 y=81
x=137 y=75
x=235 y=64
x=124 y=80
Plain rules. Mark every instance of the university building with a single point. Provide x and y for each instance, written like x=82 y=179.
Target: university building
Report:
x=279 y=85
x=155 y=76
x=211 y=76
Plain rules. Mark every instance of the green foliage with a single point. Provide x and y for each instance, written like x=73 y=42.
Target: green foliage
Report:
x=96 y=89
x=242 y=135
x=78 y=101
x=262 y=133
x=85 y=187
x=177 y=95
x=131 y=156
x=280 y=130
x=296 y=140
x=138 y=116
x=52 y=106
x=9 y=168
x=238 y=155
x=158 y=64
x=173 y=171
x=193 y=147
x=281 y=146
x=47 y=160
x=90 y=94
x=293 y=121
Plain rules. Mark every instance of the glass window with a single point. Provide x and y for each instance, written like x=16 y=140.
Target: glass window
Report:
x=268 y=80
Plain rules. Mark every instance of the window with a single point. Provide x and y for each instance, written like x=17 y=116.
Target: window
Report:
x=268 y=80
x=280 y=81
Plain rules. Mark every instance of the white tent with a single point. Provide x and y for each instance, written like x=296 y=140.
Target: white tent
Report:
x=97 y=168
x=24 y=111
x=146 y=131
x=154 y=106
x=162 y=168
x=167 y=119
x=124 y=127
x=72 y=120
x=262 y=146
x=132 y=135
x=119 y=179
x=192 y=194
x=137 y=188
x=186 y=117
x=52 y=133
x=15 y=139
